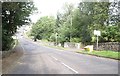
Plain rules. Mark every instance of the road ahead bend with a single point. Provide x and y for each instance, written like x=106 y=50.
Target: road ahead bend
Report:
x=38 y=59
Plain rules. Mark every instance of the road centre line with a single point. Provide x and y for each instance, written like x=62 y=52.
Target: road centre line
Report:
x=22 y=47
x=69 y=67
x=58 y=60
x=54 y=58
x=65 y=65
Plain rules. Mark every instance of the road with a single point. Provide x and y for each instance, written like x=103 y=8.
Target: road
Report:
x=38 y=59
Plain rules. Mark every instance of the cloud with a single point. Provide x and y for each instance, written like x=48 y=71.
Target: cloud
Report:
x=49 y=7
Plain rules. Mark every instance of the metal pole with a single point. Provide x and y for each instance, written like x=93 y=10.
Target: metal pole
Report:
x=70 y=28
x=97 y=42
x=56 y=38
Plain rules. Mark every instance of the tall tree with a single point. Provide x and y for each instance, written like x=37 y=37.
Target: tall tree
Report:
x=67 y=21
x=100 y=15
x=44 y=28
x=14 y=14
x=114 y=13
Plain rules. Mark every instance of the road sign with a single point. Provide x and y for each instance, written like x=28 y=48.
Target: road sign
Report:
x=97 y=32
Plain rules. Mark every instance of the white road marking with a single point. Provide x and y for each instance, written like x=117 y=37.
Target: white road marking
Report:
x=69 y=67
x=61 y=62
x=22 y=46
x=54 y=58
x=65 y=65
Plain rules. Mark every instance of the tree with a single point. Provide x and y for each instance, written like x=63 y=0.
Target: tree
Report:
x=44 y=28
x=65 y=21
x=14 y=14
x=114 y=13
x=111 y=34
x=100 y=15
x=78 y=24
x=83 y=20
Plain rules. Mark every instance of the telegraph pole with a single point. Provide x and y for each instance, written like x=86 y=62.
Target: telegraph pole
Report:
x=56 y=38
x=70 y=27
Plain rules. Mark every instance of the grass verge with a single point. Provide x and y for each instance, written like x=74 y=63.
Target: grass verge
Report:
x=104 y=53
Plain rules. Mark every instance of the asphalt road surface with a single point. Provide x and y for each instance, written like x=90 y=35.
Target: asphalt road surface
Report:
x=38 y=59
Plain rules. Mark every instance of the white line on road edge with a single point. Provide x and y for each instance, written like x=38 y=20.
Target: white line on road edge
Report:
x=69 y=67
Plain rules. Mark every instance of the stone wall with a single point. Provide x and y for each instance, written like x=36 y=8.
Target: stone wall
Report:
x=66 y=44
x=72 y=45
x=115 y=46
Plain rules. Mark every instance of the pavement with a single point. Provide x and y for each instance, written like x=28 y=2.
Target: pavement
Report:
x=9 y=61
x=39 y=59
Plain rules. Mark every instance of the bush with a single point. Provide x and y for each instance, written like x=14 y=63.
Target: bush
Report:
x=75 y=40
x=110 y=34
x=7 y=43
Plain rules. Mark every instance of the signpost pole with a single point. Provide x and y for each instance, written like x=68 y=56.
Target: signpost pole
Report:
x=97 y=33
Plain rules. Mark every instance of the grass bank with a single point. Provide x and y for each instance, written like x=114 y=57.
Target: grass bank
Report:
x=104 y=53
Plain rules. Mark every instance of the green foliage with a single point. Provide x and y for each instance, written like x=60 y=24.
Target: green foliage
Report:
x=78 y=24
x=44 y=28
x=76 y=40
x=65 y=30
x=14 y=14
x=111 y=34
x=7 y=43
x=100 y=15
x=82 y=21
x=114 y=13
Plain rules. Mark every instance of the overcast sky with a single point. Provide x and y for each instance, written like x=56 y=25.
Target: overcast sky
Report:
x=49 y=7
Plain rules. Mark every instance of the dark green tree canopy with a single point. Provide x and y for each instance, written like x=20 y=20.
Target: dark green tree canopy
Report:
x=14 y=14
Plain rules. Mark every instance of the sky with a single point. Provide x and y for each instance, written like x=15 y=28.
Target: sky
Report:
x=49 y=7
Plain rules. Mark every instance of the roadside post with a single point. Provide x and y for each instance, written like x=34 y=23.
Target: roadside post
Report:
x=56 y=38
x=97 y=33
